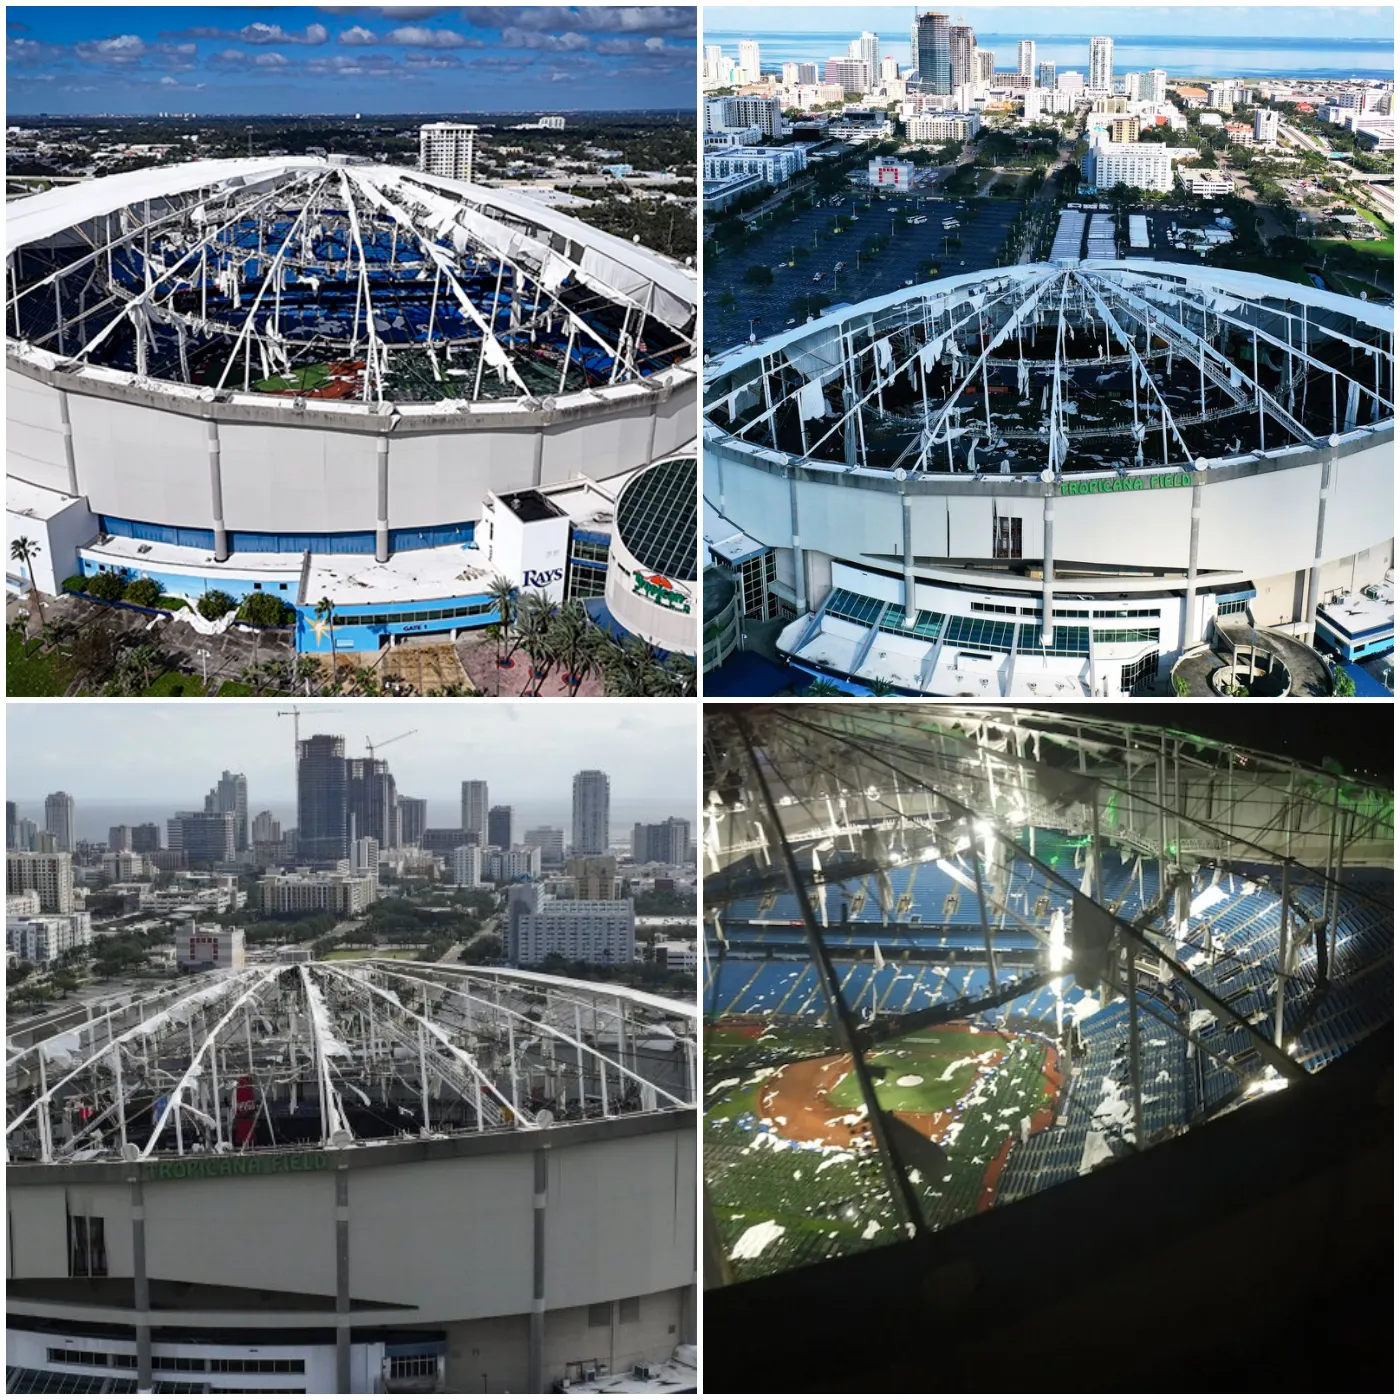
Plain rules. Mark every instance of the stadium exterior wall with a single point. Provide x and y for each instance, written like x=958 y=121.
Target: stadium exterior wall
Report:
x=145 y=454
x=663 y=616
x=442 y=1234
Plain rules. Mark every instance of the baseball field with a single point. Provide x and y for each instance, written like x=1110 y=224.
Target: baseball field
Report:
x=789 y=1156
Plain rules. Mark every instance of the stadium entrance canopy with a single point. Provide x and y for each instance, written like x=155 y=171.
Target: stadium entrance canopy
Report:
x=328 y=279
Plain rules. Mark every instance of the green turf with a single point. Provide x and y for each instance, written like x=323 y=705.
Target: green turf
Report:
x=755 y=1177
x=234 y=688
x=30 y=672
x=926 y=1056
x=175 y=683
x=303 y=380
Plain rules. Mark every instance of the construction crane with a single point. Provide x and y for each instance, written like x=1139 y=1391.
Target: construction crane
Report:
x=371 y=746
x=295 y=713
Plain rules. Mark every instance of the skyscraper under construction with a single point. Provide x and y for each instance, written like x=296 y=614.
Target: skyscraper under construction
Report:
x=322 y=828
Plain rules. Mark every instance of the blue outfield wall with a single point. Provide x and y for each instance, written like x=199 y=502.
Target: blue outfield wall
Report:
x=363 y=627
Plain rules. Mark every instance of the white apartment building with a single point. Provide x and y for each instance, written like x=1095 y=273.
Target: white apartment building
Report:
x=1265 y=127
x=944 y=126
x=1025 y=58
x=726 y=113
x=467 y=867
x=447 y=149
x=22 y=902
x=125 y=865
x=775 y=164
x=1142 y=165
x=48 y=873
x=309 y=892
x=749 y=63
x=44 y=938
x=552 y=123
x=1101 y=64
x=732 y=136
x=584 y=930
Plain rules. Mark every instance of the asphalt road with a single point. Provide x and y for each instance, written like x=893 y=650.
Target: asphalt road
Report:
x=906 y=258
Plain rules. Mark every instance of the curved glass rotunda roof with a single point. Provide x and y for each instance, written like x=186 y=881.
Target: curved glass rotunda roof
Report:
x=325 y=280
x=1065 y=368
x=656 y=518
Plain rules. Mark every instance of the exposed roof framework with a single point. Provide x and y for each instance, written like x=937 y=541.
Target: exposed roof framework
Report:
x=343 y=1053
x=323 y=280
x=1052 y=370
x=812 y=801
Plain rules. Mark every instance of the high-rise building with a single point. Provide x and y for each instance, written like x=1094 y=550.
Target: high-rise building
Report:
x=11 y=816
x=50 y=875
x=364 y=857
x=44 y=841
x=1025 y=58
x=205 y=838
x=666 y=843
x=790 y=75
x=594 y=877
x=266 y=827
x=322 y=831
x=145 y=838
x=583 y=930
x=714 y=61
x=749 y=64
x=230 y=794
x=58 y=818
x=1045 y=75
x=413 y=820
x=868 y=48
x=118 y=838
x=25 y=832
x=986 y=65
x=928 y=41
x=591 y=812
x=550 y=840
x=475 y=806
x=852 y=73
x=962 y=49
x=498 y=827
x=1101 y=63
x=447 y=149
x=889 y=69
x=766 y=113
x=467 y=866
x=1155 y=87
x=1265 y=127
x=370 y=800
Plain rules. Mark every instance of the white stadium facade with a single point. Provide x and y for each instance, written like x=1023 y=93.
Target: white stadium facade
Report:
x=1059 y=479
x=352 y=1177
x=317 y=377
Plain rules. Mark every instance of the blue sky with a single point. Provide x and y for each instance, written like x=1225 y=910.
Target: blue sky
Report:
x=134 y=60
x=1048 y=21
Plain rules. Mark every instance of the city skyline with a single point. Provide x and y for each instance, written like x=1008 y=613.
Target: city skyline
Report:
x=262 y=60
x=528 y=754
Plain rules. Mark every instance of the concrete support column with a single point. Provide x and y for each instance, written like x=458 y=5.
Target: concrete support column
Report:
x=381 y=523
x=1329 y=478
x=216 y=495
x=537 y=471
x=799 y=564
x=68 y=457
x=342 y=1279
x=1047 y=592
x=911 y=608
x=535 y=1383
x=1191 y=633
x=141 y=1286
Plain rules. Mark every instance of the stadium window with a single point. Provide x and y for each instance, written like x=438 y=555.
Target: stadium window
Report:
x=87 y=1247
x=63 y=1356
x=629 y=1309
x=1006 y=537
x=600 y=1314
x=1140 y=677
x=407 y=1367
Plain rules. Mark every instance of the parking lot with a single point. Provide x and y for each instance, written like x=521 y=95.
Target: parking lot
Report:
x=906 y=258
x=1159 y=222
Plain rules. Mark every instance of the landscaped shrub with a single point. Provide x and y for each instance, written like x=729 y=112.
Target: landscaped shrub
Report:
x=144 y=592
x=265 y=610
x=214 y=604
x=107 y=586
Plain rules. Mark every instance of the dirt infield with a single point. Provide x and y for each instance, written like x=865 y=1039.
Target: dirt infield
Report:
x=796 y=1100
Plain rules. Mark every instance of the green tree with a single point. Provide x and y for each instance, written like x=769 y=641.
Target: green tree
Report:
x=502 y=595
x=214 y=604
x=325 y=612
x=265 y=610
x=107 y=586
x=1342 y=683
x=759 y=275
x=65 y=981
x=568 y=632
x=144 y=592
x=535 y=615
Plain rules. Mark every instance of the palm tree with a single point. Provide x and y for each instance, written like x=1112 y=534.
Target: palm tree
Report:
x=682 y=670
x=23 y=550
x=307 y=668
x=567 y=641
x=364 y=681
x=325 y=612
x=502 y=594
x=536 y=611
x=823 y=688
x=600 y=654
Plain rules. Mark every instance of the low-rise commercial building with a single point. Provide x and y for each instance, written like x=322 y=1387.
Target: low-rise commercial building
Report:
x=203 y=947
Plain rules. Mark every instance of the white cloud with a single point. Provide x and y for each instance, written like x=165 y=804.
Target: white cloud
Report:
x=121 y=49
x=358 y=35
x=567 y=42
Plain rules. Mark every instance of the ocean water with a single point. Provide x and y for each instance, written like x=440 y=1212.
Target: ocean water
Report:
x=1181 y=56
